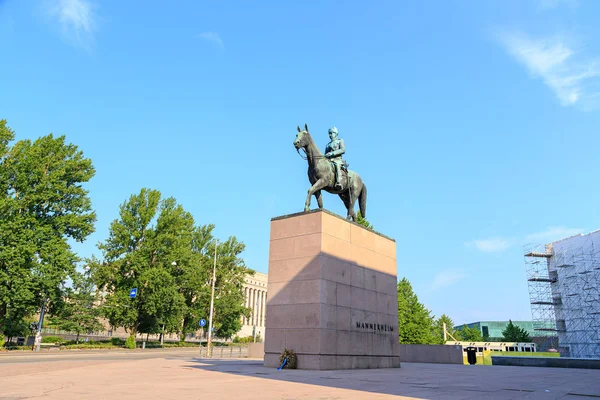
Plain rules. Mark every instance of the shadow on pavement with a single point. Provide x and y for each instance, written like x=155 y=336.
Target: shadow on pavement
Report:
x=427 y=380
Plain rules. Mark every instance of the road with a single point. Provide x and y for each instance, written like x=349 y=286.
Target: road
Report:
x=19 y=357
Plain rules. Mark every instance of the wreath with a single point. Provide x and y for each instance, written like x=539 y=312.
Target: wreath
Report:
x=292 y=360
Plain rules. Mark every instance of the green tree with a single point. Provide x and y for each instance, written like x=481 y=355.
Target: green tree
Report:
x=514 y=333
x=194 y=278
x=137 y=255
x=415 y=323
x=439 y=328
x=363 y=221
x=78 y=311
x=468 y=334
x=154 y=246
x=229 y=298
x=43 y=205
x=163 y=306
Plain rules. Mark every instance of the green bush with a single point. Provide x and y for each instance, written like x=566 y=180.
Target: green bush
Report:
x=1 y=341
x=53 y=339
x=130 y=342
x=117 y=341
x=247 y=339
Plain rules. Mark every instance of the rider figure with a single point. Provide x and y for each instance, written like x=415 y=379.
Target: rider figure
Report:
x=333 y=151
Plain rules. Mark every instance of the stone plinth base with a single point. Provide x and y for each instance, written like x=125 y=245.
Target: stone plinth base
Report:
x=332 y=294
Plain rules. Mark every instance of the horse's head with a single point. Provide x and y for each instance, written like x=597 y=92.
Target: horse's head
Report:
x=301 y=140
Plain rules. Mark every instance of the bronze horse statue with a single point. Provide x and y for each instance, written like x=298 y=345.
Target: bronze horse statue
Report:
x=322 y=177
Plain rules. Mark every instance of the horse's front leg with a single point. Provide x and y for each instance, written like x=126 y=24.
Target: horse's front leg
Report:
x=320 y=184
x=319 y=197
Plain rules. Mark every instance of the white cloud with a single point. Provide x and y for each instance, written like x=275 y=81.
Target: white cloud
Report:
x=554 y=61
x=447 y=278
x=492 y=245
x=553 y=233
x=77 y=19
x=213 y=38
x=500 y=244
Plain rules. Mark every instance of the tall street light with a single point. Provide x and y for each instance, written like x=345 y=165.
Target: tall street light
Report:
x=212 y=301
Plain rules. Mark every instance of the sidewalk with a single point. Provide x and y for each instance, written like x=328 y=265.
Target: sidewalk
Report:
x=180 y=376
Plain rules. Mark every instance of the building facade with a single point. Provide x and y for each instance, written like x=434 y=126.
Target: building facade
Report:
x=564 y=290
x=255 y=294
x=493 y=329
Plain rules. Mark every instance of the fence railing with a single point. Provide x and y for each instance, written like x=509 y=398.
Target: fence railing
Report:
x=225 y=352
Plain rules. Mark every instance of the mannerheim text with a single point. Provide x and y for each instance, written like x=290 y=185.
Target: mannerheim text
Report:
x=375 y=327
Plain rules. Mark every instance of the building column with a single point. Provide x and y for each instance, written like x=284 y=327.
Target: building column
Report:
x=265 y=313
x=245 y=320
x=253 y=306
x=260 y=308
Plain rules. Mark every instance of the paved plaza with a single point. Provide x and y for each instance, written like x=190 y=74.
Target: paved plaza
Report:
x=177 y=374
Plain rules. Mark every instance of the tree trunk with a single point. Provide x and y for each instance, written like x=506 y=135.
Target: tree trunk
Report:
x=162 y=336
x=77 y=338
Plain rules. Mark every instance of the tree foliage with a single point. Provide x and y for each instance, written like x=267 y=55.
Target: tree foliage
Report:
x=469 y=334
x=363 y=221
x=415 y=323
x=514 y=333
x=439 y=329
x=43 y=205
x=154 y=246
x=77 y=311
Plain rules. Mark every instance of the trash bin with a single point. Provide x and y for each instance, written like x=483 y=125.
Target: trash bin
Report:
x=472 y=355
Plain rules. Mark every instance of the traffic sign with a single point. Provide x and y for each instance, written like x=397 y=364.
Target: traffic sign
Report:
x=133 y=293
x=202 y=322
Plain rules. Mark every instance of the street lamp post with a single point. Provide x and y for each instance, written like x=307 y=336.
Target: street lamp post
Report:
x=212 y=302
x=38 y=334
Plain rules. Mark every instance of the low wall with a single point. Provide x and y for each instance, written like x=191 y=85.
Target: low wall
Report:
x=430 y=353
x=256 y=350
x=552 y=362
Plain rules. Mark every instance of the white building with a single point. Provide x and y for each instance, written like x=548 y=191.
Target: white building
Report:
x=564 y=287
x=255 y=293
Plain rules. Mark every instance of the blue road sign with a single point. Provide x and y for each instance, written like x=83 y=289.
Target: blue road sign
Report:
x=132 y=293
x=202 y=322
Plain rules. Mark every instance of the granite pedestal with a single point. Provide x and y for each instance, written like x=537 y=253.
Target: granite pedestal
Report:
x=332 y=294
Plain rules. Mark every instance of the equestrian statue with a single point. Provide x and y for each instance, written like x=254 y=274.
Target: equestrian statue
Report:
x=330 y=172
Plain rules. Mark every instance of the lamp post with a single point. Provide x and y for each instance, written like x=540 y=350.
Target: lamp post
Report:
x=38 y=334
x=212 y=301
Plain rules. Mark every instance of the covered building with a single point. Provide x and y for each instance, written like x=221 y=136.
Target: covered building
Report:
x=564 y=290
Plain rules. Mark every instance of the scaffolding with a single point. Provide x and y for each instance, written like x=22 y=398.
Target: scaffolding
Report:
x=564 y=290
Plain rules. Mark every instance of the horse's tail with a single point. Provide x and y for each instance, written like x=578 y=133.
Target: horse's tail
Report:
x=362 y=201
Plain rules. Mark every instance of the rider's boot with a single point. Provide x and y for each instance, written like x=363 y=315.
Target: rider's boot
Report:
x=338 y=178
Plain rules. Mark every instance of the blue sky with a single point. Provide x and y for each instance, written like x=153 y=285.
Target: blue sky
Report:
x=474 y=124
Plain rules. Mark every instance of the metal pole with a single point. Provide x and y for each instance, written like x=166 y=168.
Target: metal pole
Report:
x=445 y=336
x=212 y=301
x=38 y=335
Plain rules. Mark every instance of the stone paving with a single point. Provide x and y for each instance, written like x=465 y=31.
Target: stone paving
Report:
x=173 y=376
